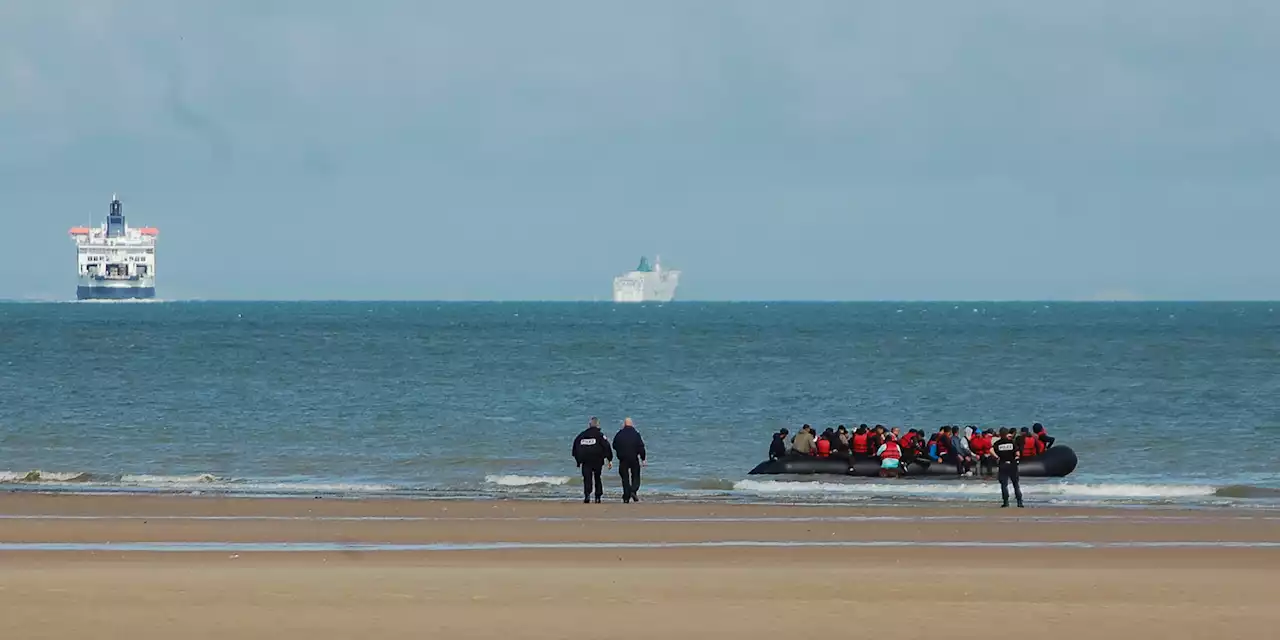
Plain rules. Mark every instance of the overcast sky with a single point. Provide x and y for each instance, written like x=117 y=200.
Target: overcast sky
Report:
x=533 y=150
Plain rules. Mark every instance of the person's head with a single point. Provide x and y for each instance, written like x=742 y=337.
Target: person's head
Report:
x=593 y=422
x=1003 y=432
x=1025 y=431
x=842 y=430
x=828 y=432
x=880 y=429
x=627 y=424
x=988 y=432
x=784 y=432
x=806 y=428
x=895 y=431
x=1037 y=427
x=862 y=428
x=890 y=438
x=946 y=431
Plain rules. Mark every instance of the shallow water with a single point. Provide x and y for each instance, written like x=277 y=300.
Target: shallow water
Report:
x=478 y=400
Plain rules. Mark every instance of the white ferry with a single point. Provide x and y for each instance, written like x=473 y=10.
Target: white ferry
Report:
x=115 y=261
x=646 y=283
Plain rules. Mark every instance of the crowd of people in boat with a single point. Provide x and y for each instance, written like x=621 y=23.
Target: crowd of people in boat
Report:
x=970 y=449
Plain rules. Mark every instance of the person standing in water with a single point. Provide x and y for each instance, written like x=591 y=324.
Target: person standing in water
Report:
x=591 y=449
x=1008 y=451
x=629 y=447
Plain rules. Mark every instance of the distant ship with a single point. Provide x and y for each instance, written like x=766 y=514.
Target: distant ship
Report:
x=115 y=261
x=646 y=284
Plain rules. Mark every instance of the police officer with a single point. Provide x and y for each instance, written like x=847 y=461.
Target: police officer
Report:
x=591 y=449
x=629 y=447
x=1008 y=451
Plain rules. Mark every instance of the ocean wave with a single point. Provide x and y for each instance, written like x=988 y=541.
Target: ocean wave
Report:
x=972 y=489
x=192 y=482
x=526 y=481
x=309 y=487
x=710 y=485
x=1247 y=491
x=201 y=478
x=37 y=475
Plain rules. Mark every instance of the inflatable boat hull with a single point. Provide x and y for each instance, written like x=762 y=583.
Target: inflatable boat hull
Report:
x=1054 y=463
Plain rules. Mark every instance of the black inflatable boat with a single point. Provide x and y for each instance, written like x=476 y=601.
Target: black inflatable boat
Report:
x=1055 y=463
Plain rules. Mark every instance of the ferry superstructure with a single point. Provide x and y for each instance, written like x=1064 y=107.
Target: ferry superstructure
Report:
x=115 y=261
x=646 y=284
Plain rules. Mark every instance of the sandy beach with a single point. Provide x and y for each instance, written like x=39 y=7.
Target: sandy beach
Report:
x=203 y=567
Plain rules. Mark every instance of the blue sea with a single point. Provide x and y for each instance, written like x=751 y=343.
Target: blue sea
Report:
x=1165 y=403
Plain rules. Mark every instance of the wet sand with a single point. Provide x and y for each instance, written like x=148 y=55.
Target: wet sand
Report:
x=1112 y=588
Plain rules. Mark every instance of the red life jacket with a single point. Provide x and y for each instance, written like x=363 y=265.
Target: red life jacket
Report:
x=891 y=451
x=874 y=441
x=981 y=444
x=944 y=445
x=824 y=448
x=1031 y=447
x=859 y=443
x=908 y=441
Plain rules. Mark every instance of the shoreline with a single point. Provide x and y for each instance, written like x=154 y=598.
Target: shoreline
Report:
x=71 y=519
x=642 y=570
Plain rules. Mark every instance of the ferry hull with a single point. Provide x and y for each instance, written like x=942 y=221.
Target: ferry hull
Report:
x=115 y=293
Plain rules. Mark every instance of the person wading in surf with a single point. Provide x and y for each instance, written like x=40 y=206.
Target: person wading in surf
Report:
x=591 y=450
x=629 y=447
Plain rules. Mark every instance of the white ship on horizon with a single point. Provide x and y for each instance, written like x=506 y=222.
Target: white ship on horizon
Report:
x=115 y=261
x=646 y=283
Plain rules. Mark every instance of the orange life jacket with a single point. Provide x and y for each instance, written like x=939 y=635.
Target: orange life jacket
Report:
x=891 y=451
x=860 y=443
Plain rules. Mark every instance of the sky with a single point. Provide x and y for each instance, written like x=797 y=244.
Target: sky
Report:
x=482 y=150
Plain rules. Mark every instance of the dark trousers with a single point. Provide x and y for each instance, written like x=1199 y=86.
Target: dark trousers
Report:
x=591 y=474
x=1009 y=473
x=629 y=470
x=986 y=464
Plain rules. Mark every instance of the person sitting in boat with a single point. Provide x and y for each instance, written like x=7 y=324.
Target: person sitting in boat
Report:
x=931 y=448
x=965 y=458
x=778 y=448
x=822 y=446
x=943 y=453
x=910 y=444
x=803 y=442
x=1031 y=446
x=841 y=444
x=859 y=444
x=876 y=438
x=1042 y=435
x=982 y=444
x=890 y=454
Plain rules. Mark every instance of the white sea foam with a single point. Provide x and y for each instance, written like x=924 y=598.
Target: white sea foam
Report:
x=198 y=481
x=975 y=489
x=37 y=475
x=310 y=487
x=202 y=478
x=526 y=481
